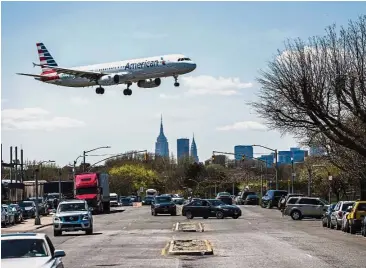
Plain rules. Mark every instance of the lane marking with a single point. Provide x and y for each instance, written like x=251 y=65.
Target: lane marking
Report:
x=309 y=255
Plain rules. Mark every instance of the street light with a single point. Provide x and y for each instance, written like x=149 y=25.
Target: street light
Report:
x=85 y=152
x=37 y=220
x=275 y=158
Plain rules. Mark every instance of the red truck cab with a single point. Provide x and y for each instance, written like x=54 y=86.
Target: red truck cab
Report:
x=94 y=189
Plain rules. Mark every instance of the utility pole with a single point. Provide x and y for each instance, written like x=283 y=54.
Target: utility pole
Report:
x=293 y=175
x=276 y=168
x=37 y=220
x=309 y=181
x=16 y=173
x=59 y=183
x=10 y=173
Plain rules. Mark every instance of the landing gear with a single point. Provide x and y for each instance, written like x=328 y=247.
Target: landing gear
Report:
x=176 y=84
x=99 y=90
x=127 y=91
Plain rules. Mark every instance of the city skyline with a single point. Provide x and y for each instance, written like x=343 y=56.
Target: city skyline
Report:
x=60 y=123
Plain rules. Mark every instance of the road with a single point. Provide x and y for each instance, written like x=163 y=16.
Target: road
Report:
x=260 y=238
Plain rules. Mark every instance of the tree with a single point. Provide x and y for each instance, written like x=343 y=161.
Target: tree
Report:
x=318 y=88
x=129 y=178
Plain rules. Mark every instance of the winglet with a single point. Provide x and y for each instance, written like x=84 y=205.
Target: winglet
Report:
x=34 y=65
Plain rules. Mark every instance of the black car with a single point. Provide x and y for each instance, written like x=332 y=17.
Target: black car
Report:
x=206 y=208
x=271 y=198
x=126 y=201
x=18 y=213
x=326 y=215
x=227 y=199
x=163 y=205
x=244 y=195
x=42 y=205
x=251 y=199
x=147 y=200
x=28 y=209
x=50 y=197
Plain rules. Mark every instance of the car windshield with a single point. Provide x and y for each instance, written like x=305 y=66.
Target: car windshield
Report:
x=163 y=199
x=149 y=198
x=346 y=205
x=26 y=204
x=224 y=194
x=23 y=248
x=52 y=196
x=217 y=203
x=40 y=200
x=89 y=190
x=361 y=207
x=252 y=196
x=72 y=207
x=113 y=198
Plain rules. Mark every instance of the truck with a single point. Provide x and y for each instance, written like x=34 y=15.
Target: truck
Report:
x=113 y=199
x=94 y=189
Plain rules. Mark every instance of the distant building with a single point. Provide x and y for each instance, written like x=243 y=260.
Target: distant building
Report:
x=245 y=150
x=182 y=148
x=162 y=145
x=269 y=159
x=284 y=157
x=194 y=154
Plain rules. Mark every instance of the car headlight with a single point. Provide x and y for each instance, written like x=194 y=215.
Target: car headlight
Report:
x=225 y=209
x=85 y=218
x=157 y=205
x=56 y=219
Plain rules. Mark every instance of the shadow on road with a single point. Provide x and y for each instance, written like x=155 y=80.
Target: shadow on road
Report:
x=116 y=211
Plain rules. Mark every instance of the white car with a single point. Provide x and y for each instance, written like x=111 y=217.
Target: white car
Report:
x=3 y=216
x=31 y=250
x=73 y=215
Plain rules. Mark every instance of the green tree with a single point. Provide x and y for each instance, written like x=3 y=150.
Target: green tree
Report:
x=128 y=178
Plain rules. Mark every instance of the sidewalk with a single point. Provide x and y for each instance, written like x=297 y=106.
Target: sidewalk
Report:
x=28 y=225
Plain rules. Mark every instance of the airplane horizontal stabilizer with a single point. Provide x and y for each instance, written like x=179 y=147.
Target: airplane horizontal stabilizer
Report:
x=32 y=75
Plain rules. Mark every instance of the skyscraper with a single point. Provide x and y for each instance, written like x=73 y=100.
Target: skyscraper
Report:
x=161 y=145
x=182 y=148
x=194 y=150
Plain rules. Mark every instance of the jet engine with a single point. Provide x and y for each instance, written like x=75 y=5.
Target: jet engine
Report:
x=111 y=79
x=149 y=83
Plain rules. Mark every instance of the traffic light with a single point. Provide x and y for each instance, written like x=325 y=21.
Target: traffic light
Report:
x=213 y=158
x=243 y=158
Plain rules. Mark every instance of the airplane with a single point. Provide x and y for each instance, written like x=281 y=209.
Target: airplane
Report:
x=146 y=72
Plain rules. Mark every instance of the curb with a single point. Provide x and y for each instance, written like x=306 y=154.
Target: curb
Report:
x=163 y=251
x=43 y=225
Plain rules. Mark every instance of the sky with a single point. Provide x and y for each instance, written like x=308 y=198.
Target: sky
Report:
x=229 y=42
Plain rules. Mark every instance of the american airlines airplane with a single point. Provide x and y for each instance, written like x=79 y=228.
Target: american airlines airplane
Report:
x=146 y=72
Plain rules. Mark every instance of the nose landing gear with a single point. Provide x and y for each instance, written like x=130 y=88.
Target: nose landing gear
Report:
x=99 y=90
x=127 y=91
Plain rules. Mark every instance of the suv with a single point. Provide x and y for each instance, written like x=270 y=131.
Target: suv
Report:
x=73 y=215
x=310 y=207
x=163 y=205
x=355 y=217
x=272 y=197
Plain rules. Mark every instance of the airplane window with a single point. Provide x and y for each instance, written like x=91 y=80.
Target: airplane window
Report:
x=179 y=59
x=188 y=59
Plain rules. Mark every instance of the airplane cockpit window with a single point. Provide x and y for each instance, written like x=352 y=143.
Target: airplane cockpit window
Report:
x=184 y=59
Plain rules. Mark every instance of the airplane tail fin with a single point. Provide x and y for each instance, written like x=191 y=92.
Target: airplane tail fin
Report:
x=46 y=58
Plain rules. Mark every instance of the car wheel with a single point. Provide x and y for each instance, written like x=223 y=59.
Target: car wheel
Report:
x=352 y=229
x=89 y=231
x=205 y=217
x=57 y=233
x=325 y=224
x=219 y=215
x=189 y=215
x=346 y=227
x=296 y=215
x=269 y=205
x=235 y=217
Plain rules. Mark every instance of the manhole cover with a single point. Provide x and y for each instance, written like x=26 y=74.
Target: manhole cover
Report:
x=189 y=247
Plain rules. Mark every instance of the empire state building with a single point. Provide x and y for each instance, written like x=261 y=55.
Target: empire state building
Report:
x=161 y=144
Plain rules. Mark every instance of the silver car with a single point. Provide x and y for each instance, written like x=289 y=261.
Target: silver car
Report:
x=73 y=215
x=305 y=207
x=31 y=250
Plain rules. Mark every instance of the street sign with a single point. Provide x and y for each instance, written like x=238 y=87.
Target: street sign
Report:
x=293 y=174
x=141 y=189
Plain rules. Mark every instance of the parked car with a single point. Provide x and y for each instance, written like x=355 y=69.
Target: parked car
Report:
x=225 y=197
x=326 y=215
x=18 y=213
x=244 y=194
x=252 y=199
x=355 y=216
x=42 y=205
x=147 y=200
x=126 y=201
x=271 y=198
x=287 y=197
x=73 y=215
x=28 y=209
x=4 y=219
x=10 y=215
x=306 y=207
x=337 y=214
x=163 y=205
x=206 y=208
x=29 y=249
x=363 y=227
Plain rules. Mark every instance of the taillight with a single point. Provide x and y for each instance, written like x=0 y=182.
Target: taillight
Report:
x=340 y=213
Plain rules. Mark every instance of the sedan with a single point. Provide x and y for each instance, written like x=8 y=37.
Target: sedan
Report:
x=206 y=208
x=29 y=250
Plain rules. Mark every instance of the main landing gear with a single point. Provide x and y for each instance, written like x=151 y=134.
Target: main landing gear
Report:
x=127 y=91
x=99 y=90
x=176 y=84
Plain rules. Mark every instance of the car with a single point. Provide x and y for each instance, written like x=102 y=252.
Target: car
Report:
x=18 y=213
x=225 y=197
x=251 y=199
x=244 y=194
x=147 y=200
x=28 y=209
x=29 y=250
x=73 y=215
x=355 y=217
x=363 y=227
x=4 y=217
x=326 y=215
x=337 y=214
x=306 y=207
x=163 y=205
x=10 y=214
x=206 y=208
x=42 y=205
x=126 y=201
x=271 y=198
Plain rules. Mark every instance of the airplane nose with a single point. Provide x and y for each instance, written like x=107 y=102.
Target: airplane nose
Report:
x=193 y=66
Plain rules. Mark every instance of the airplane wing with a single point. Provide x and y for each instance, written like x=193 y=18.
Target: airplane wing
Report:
x=86 y=74
x=32 y=75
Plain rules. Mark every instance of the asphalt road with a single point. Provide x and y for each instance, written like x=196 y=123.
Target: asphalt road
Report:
x=260 y=238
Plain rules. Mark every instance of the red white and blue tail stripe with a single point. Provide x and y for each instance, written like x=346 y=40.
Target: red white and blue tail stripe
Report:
x=45 y=58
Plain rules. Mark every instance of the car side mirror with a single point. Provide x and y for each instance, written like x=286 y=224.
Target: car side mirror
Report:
x=59 y=253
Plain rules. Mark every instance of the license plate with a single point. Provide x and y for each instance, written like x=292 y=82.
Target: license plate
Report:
x=235 y=212
x=165 y=210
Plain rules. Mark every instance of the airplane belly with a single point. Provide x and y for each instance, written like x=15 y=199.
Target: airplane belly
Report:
x=78 y=82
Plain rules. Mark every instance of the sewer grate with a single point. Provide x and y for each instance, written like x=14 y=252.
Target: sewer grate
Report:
x=189 y=247
x=189 y=227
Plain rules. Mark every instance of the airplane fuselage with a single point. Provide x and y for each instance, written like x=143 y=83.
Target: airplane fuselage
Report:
x=131 y=71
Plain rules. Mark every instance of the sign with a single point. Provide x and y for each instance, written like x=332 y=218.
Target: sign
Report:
x=141 y=189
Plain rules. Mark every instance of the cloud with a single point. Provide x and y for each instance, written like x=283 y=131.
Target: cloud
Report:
x=145 y=35
x=164 y=96
x=35 y=119
x=245 y=125
x=209 y=85
x=79 y=101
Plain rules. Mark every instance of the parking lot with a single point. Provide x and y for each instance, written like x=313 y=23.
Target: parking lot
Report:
x=261 y=237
